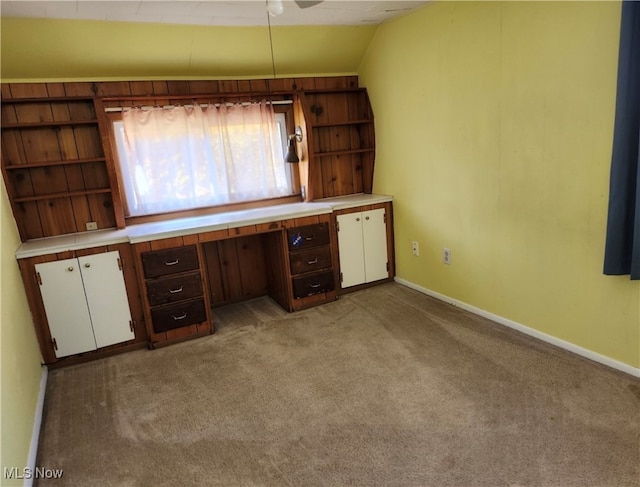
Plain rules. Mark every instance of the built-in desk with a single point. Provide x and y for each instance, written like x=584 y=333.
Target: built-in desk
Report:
x=177 y=270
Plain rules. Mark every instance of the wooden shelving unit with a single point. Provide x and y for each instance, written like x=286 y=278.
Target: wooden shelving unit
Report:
x=340 y=142
x=58 y=162
x=54 y=165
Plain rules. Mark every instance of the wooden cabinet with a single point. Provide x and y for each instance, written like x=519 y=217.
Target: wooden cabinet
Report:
x=54 y=166
x=364 y=249
x=310 y=260
x=176 y=302
x=85 y=301
x=77 y=297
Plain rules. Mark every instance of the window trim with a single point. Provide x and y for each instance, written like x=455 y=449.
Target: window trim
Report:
x=296 y=197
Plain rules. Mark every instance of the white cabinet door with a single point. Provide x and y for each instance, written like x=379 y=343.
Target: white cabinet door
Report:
x=86 y=303
x=66 y=306
x=362 y=245
x=107 y=298
x=374 y=236
x=350 y=248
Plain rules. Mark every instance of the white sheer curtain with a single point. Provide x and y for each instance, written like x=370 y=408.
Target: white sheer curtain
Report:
x=189 y=157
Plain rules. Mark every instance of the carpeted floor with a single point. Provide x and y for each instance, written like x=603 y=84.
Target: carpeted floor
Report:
x=385 y=387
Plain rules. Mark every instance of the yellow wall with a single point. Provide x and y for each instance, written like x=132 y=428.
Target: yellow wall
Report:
x=20 y=370
x=494 y=125
x=54 y=50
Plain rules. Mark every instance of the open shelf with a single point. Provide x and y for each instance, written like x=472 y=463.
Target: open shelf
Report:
x=54 y=165
x=66 y=194
x=47 y=124
x=340 y=152
x=64 y=162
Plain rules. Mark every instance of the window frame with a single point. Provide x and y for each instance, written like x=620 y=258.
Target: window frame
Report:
x=296 y=197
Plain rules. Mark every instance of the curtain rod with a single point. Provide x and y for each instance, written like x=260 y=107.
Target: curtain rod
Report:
x=202 y=105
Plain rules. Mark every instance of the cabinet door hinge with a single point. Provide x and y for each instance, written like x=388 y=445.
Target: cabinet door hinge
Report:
x=337 y=226
x=132 y=325
x=387 y=267
x=341 y=279
x=120 y=263
x=54 y=344
x=384 y=218
x=38 y=278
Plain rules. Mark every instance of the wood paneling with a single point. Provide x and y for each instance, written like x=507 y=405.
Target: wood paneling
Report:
x=58 y=164
x=276 y=257
x=236 y=268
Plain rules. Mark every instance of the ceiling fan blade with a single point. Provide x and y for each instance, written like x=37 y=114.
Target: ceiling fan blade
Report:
x=307 y=3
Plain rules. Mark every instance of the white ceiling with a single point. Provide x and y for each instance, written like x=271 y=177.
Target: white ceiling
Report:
x=213 y=12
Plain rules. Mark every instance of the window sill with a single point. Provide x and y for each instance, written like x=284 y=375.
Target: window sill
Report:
x=212 y=210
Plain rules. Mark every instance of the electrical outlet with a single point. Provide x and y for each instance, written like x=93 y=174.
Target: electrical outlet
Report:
x=446 y=256
x=415 y=248
x=92 y=226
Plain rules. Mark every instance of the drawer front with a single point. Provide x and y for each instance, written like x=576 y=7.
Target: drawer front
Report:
x=178 y=315
x=308 y=285
x=170 y=261
x=172 y=289
x=310 y=260
x=308 y=236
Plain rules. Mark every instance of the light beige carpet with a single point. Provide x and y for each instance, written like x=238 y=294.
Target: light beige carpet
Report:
x=385 y=387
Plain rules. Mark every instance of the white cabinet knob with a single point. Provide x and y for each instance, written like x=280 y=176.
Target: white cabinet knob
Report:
x=70 y=268
x=87 y=264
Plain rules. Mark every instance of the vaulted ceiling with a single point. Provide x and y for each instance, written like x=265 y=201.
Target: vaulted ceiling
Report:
x=216 y=12
x=102 y=40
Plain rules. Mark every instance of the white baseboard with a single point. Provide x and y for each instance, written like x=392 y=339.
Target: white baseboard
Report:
x=583 y=352
x=37 y=422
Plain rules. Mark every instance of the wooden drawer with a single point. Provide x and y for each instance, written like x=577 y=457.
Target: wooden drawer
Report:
x=170 y=261
x=308 y=236
x=175 y=288
x=311 y=260
x=310 y=284
x=178 y=315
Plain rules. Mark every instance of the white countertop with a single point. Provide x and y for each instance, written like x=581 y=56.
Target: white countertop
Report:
x=187 y=226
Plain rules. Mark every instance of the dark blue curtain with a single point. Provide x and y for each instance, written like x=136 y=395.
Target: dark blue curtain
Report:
x=622 y=251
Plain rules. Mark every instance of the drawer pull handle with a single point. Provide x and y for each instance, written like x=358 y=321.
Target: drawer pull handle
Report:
x=312 y=237
x=176 y=291
x=172 y=263
x=315 y=285
x=181 y=317
x=314 y=261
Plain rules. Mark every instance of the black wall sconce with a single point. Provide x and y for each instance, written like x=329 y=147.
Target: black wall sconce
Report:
x=292 y=152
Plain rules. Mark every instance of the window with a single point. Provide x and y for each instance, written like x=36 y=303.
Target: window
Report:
x=188 y=157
